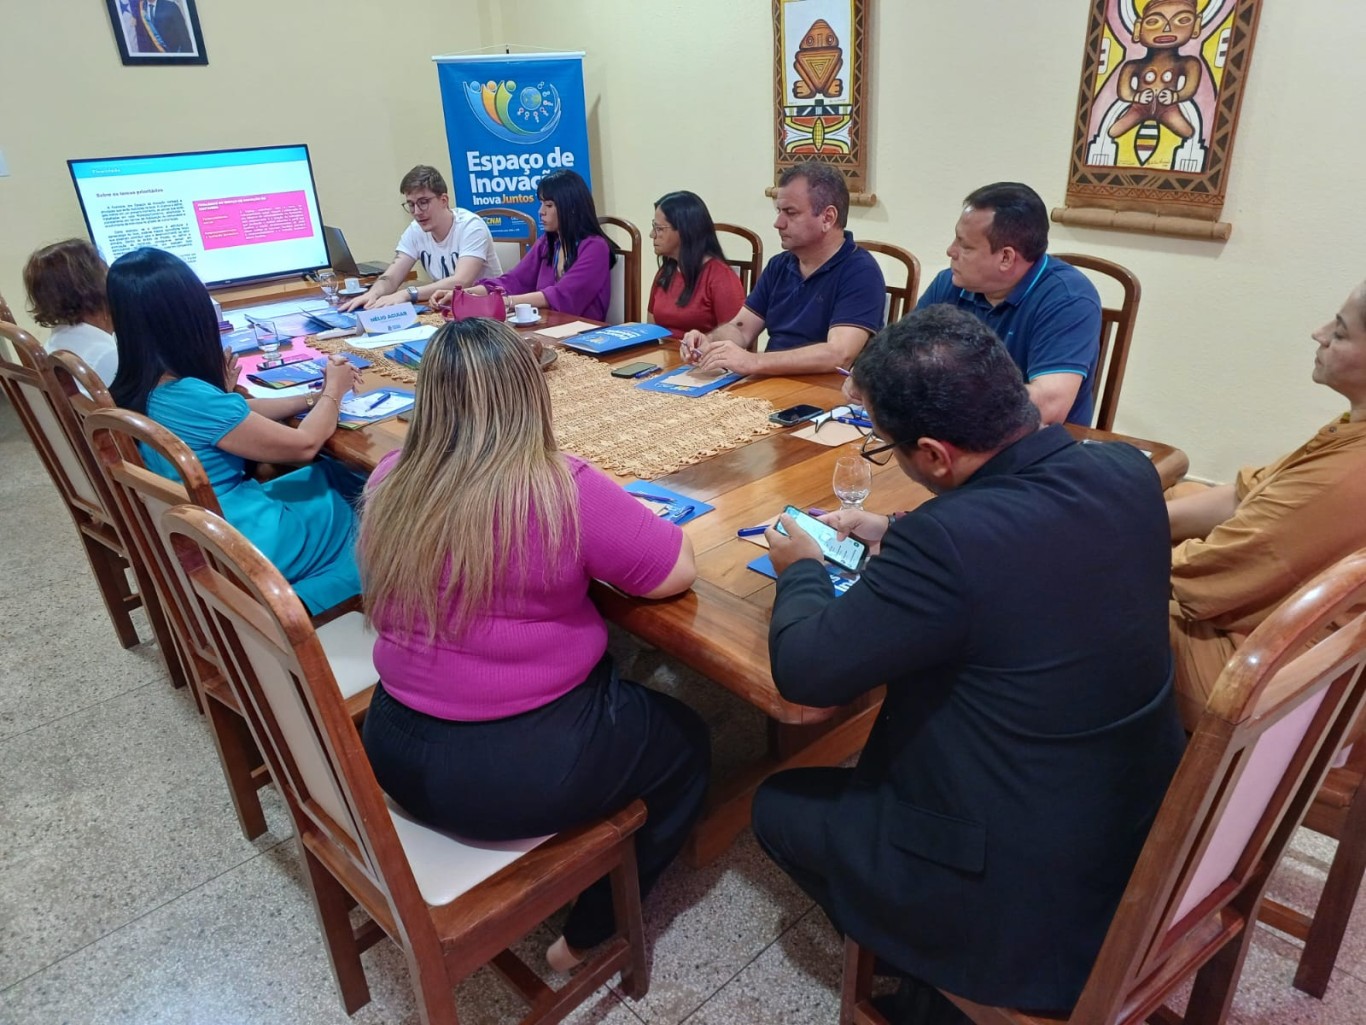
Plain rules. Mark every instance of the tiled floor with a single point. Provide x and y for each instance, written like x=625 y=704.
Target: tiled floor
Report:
x=127 y=894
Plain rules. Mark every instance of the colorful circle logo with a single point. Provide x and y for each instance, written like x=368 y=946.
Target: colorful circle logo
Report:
x=523 y=115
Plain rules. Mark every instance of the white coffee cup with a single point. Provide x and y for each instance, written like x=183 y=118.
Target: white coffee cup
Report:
x=353 y=284
x=523 y=312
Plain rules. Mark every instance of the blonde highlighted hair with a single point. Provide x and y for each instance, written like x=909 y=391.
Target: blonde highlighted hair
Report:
x=480 y=457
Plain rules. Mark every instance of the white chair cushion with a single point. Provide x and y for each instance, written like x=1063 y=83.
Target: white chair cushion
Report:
x=350 y=649
x=444 y=865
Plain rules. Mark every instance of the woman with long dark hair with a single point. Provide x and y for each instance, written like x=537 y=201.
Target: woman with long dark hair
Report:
x=569 y=269
x=172 y=367
x=695 y=289
x=499 y=714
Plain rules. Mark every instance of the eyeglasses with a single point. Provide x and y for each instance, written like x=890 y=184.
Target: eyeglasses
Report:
x=419 y=205
x=854 y=416
x=659 y=229
x=883 y=450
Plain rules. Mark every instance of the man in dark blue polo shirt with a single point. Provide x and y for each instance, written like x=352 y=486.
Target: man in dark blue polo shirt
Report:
x=1045 y=311
x=820 y=299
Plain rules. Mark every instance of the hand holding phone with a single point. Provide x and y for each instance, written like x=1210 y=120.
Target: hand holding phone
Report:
x=847 y=554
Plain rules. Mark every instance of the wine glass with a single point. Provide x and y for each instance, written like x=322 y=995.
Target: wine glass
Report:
x=327 y=280
x=852 y=482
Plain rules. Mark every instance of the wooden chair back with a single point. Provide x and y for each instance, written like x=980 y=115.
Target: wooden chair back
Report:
x=44 y=410
x=5 y=313
x=352 y=840
x=749 y=265
x=519 y=233
x=1278 y=714
x=624 y=307
x=903 y=283
x=1116 y=333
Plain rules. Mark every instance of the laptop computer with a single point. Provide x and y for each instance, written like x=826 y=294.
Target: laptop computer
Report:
x=339 y=255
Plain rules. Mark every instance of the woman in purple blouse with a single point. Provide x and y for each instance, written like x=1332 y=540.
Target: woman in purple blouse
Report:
x=569 y=269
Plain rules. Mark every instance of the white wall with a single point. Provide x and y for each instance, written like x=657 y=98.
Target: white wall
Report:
x=354 y=80
x=968 y=93
x=680 y=96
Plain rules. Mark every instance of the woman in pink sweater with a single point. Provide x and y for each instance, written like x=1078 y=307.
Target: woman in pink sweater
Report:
x=500 y=714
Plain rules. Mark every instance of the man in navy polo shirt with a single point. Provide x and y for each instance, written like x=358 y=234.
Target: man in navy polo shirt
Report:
x=821 y=299
x=1045 y=311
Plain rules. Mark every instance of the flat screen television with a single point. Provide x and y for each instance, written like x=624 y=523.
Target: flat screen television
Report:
x=233 y=215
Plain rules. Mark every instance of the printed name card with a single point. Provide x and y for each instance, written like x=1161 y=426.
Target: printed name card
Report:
x=387 y=318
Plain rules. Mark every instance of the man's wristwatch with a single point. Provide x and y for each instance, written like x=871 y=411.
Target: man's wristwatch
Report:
x=412 y=293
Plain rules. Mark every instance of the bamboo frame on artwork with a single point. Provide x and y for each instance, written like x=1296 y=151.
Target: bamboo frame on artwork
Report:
x=1161 y=91
x=820 y=88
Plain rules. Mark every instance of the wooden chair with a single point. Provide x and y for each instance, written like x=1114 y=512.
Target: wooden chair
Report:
x=451 y=906
x=1278 y=715
x=900 y=298
x=624 y=307
x=748 y=267
x=499 y=217
x=47 y=416
x=1339 y=811
x=5 y=314
x=1116 y=334
x=141 y=497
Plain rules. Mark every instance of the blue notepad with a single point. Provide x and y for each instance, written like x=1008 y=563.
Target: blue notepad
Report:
x=677 y=507
x=664 y=382
x=763 y=564
x=618 y=336
x=308 y=371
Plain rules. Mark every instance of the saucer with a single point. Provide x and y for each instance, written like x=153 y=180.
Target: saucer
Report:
x=525 y=323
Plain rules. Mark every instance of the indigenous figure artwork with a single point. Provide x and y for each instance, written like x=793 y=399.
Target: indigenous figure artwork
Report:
x=157 y=31
x=1161 y=87
x=820 y=88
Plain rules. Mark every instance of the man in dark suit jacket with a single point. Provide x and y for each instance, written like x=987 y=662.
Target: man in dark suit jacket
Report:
x=1019 y=622
x=162 y=28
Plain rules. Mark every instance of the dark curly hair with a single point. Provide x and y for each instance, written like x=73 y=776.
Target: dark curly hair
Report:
x=65 y=283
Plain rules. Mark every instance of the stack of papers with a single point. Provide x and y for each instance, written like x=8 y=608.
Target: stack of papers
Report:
x=360 y=410
x=308 y=371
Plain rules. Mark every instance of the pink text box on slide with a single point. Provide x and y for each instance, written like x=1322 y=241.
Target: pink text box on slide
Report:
x=249 y=220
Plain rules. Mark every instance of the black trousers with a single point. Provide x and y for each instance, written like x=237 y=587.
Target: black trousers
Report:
x=790 y=816
x=584 y=755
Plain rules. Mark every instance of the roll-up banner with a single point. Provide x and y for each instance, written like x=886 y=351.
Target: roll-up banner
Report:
x=511 y=119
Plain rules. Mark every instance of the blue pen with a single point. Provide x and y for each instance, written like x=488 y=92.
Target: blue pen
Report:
x=752 y=531
x=662 y=499
x=379 y=397
x=842 y=371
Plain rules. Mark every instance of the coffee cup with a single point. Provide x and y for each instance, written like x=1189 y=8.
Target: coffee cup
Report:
x=523 y=312
x=353 y=284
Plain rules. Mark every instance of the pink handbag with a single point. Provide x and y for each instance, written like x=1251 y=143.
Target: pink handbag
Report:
x=463 y=305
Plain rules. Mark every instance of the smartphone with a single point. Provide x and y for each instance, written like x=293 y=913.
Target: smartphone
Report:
x=634 y=369
x=795 y=414
x=847 y=554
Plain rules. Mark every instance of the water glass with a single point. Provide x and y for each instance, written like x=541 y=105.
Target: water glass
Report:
x=852 y=482
x=267 y=338
x=327 y=280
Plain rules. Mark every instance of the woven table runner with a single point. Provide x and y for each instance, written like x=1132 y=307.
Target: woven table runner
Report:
x=617 y=426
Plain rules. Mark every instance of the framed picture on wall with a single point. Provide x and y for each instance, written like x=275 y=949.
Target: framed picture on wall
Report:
x=157 y=31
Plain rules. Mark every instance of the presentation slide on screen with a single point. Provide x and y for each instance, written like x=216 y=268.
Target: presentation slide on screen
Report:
x=230 y=215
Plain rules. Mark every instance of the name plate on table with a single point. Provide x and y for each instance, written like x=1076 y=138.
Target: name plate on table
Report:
x=387 y=318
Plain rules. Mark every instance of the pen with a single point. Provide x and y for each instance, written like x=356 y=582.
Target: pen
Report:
x=752 y=531
x=379 y=398
x=841 y=371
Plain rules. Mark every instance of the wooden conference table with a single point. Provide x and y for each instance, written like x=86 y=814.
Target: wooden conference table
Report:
x=720 y=627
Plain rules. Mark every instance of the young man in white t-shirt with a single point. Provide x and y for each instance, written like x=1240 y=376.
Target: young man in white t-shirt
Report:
x=453 y=245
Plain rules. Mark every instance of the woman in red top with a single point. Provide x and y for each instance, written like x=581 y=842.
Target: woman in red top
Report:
x=695 y=287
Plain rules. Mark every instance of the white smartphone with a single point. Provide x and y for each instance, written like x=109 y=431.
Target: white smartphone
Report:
x=847 y=554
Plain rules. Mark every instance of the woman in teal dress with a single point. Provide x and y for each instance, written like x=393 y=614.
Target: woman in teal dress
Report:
x=172 y=368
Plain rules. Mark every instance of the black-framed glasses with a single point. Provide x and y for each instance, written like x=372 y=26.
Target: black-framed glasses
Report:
x=414 y=206
x=853 y=416
x=883 y=449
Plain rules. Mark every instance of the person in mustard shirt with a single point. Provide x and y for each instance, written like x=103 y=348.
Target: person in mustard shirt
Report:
x=1243 y=548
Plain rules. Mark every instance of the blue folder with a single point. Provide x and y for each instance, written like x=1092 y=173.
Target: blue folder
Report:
x=685 y=508
x=763 y=564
